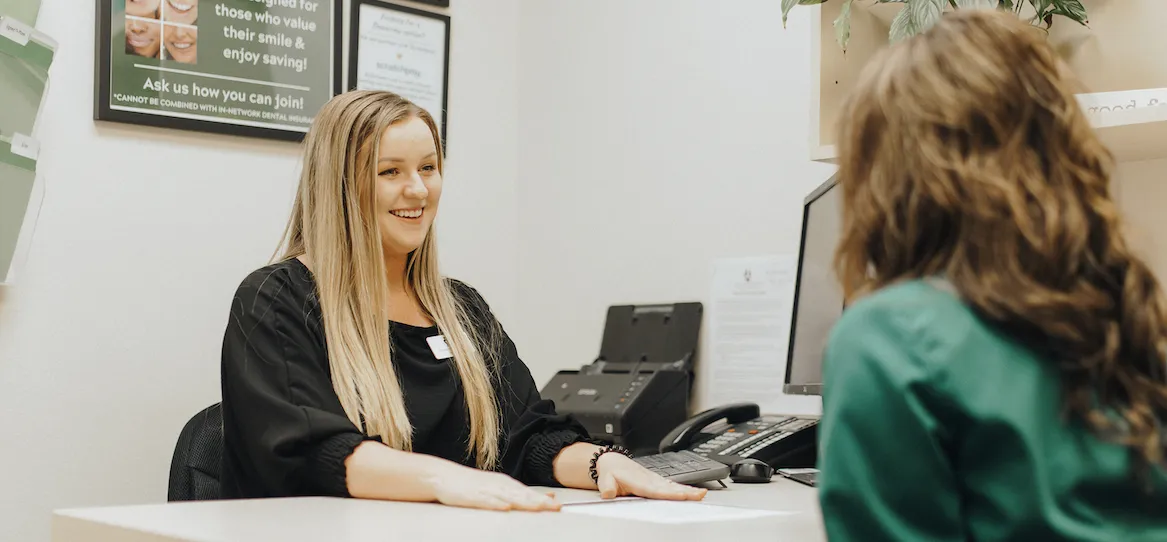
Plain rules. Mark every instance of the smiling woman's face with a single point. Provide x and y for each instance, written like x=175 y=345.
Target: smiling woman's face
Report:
x=408 y=185
x=143 y=8
x=181 y=11
x=143 y=37
x=182 y=43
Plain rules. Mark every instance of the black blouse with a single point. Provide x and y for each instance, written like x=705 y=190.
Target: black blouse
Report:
x=285 y=432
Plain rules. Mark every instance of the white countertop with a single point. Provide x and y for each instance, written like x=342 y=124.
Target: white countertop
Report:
x=343 y=520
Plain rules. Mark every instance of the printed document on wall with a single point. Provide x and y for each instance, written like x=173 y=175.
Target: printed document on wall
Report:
x=749 y=325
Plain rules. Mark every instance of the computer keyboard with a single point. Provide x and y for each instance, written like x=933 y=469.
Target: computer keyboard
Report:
x=685 y=467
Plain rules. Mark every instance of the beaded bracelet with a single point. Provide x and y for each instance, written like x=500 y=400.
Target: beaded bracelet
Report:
x=596 y=457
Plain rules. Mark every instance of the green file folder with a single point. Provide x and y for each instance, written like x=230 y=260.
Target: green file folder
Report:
x=25 y=58
x=17 y=179
x=25 y=10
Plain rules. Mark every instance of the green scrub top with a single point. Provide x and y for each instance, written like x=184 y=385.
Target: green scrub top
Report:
x=937 y=427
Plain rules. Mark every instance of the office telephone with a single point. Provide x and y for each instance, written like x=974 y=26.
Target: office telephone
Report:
x=738 y=431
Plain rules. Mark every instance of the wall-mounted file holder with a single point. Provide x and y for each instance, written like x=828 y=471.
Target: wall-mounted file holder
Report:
x=25 y=57
x=20 y=201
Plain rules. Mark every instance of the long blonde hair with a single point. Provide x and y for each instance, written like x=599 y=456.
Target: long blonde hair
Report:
x=964 y=154
x=333 y=222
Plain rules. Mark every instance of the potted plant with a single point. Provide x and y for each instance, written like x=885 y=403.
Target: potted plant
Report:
x=918 y=15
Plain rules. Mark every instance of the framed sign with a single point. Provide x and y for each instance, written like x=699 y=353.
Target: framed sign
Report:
x=402 y=50
x=241 y=67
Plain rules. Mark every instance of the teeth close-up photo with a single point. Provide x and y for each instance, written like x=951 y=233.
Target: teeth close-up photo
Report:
x=583 y=270
x=180 y=11
x=140 y=40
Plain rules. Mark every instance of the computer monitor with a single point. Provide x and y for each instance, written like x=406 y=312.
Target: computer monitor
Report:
x=818 y=299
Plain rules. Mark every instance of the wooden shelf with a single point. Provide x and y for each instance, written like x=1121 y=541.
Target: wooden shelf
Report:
x=1120 y=51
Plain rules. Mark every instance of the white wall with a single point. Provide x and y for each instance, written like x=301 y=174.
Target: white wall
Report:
x=655 y=136
x=1141 y=188
x=478 y=222
x=109 y=341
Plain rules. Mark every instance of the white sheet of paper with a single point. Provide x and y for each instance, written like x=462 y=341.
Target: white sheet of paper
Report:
x=749 y=326
x=568 y=501
x=668 y=511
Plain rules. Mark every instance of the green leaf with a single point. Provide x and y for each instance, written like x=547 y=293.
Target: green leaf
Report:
x=916 y=17
x=842 y=25
x=1040 y=7
x=902 y=26
x=925 y=13
x=1005 y=4
x=787 y=5
x=976 y=4
x=1072 y=9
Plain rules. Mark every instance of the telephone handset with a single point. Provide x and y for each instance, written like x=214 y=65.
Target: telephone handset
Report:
x=687 y=435
x=737 y=431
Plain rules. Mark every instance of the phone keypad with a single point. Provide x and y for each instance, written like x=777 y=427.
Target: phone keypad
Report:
x=719 y=442
x=746 y=438
x=775 y=437
x=745 y=443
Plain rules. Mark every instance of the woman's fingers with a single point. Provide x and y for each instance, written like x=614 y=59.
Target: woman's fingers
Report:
x=510 y=501
x=491 y=502
x=654 y=487
x=525 y=498
x=530 y=500
x=472 y=488
x=690 y=492
x=609 y=486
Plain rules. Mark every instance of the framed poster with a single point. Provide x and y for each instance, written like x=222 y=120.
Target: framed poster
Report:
x=402 y=50
x=257 y=68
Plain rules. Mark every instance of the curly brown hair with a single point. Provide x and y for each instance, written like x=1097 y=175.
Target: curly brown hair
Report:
x=964 y=154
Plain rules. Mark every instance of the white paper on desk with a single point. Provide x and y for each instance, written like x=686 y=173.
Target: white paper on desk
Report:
x=596 y=500
x=668 y=511
x=749 y=322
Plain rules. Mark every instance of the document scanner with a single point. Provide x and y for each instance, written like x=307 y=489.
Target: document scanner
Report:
x=638 y=388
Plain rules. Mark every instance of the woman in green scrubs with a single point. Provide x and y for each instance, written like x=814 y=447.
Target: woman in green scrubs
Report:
x=999 y=371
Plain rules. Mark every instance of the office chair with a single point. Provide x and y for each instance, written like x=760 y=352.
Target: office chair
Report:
x=195 y=467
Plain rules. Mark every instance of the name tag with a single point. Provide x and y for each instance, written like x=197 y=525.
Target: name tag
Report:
x=439 y=347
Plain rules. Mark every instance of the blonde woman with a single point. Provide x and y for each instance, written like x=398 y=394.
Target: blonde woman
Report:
x=351 y=367
x=1000 y=373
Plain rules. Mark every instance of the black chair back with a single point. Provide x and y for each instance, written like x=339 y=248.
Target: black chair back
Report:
x=196 y=465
